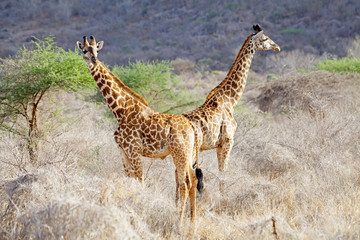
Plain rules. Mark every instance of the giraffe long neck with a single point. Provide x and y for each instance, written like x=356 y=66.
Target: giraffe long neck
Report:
x=232 y=87
x=117 y=95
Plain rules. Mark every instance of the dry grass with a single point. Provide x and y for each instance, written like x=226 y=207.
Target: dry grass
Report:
x=299 y=170
x=313 y=91
x=354 y=48
x=290 y=61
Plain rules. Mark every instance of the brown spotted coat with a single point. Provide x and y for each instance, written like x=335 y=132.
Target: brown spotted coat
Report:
x=143 y=131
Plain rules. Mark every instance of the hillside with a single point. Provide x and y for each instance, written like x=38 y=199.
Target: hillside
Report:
x=205 y=32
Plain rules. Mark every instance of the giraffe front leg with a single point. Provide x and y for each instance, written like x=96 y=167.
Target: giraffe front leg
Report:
x=223 y=153
x=130 y=158
x=136 y=168
x=126 y=163
x=226 y=142
x=133 y=167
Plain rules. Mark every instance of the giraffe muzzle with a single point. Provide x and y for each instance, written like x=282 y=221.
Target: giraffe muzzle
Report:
x=276 y=48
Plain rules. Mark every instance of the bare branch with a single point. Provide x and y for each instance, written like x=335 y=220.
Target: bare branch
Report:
x=25 y=111
x=181 y=105
x=16 y=110
x=42 y=92
x=11 y=129
x=274 y=228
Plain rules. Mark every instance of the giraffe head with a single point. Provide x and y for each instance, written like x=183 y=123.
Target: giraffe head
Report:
x=263 y=42
x=90 y=50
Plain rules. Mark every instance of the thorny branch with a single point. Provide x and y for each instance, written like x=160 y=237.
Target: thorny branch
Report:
x=181 y=105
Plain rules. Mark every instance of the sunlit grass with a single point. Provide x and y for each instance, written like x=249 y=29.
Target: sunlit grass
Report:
x=340 y=65
x=301 y=169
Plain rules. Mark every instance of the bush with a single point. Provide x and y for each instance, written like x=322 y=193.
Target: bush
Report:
x=155 y=82
x=27 y=77
x=340 y=65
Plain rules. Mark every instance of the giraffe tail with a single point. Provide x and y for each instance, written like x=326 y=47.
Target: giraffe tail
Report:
x=198 y=172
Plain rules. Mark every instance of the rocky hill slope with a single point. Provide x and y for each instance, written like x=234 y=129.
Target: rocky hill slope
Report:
x=206 y=32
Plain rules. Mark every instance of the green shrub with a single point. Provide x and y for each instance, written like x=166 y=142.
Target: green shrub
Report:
x=340 y=65
x=154 y=81
x=142 y=76
x=31 y=74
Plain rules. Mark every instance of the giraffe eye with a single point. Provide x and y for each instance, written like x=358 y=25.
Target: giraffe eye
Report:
x=85 y=51
x=264 y=40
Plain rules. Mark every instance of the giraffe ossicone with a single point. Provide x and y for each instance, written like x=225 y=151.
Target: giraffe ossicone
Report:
x=145 y=132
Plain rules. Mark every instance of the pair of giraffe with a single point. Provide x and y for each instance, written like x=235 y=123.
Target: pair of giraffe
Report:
x=145 y=132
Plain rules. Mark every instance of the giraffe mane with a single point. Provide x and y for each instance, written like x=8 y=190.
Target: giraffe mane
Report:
x=126 y=88
x=212 y=93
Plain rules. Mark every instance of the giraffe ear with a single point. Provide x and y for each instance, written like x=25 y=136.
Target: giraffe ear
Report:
x=79 y=45
x=99 y=45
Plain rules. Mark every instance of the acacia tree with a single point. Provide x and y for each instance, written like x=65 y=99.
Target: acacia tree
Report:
x=28 y=76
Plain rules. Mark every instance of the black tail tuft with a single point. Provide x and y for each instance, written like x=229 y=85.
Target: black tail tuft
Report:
x=199 y=176
x=194 y=165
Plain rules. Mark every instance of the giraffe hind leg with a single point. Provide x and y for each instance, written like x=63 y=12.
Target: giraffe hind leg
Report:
x=187 y=188
x=183 y=183
x=199 y=177
x=183 y=195
x=177 y=188
x=193 y=182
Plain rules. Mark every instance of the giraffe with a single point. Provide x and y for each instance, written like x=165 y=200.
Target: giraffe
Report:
x=214 y=119
x=143 y=131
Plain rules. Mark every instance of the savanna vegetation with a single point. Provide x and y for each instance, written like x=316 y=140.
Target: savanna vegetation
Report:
x=30 y=75
x=295 y=163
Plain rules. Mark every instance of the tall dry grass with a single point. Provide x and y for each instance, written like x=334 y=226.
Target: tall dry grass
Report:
x=301 y=170
x=354 y=47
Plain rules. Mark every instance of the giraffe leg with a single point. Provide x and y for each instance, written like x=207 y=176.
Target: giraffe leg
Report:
x=223 y=153
x=182 y=145
x=126 y=162
x=187 y=187
x=182 y=182
x=133 y=167
x=226 y=143
x=184 y=193
x=137 y=168
x=193 y=187
x=177 y=188
x=130 y=158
